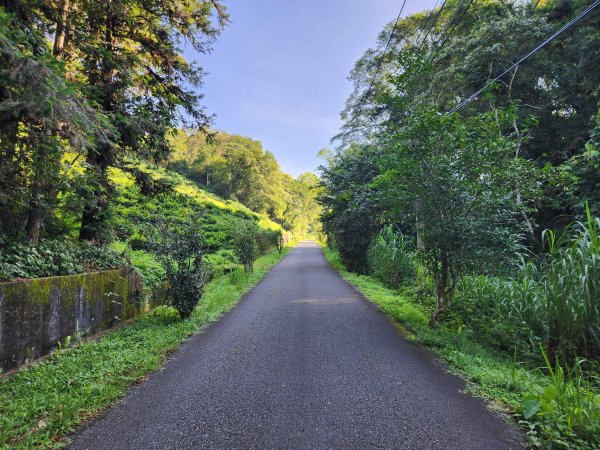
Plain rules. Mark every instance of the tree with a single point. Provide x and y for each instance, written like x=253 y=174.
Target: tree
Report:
x=351 y=214
x=456 y=179
x=130 y=55
x=302 y=212
x=558 y=85
x=235 y=167
x=113 y=83
x=246 y=247
x=44 y=115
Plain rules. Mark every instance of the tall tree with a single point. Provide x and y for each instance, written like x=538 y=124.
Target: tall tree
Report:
x=351 y=212
x=131 y=57
x=558 y=86
x=42 y=114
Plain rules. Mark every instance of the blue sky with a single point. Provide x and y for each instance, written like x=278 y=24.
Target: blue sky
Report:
x=278 y=71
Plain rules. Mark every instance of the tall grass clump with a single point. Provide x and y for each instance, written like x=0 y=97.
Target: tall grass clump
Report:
x=391 y=257
x=564 y=411
x=570 y=287
x=555 y=300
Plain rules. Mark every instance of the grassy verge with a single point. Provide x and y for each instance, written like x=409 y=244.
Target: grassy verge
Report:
x=557 y=407
x=42 y=403
x=490 y=374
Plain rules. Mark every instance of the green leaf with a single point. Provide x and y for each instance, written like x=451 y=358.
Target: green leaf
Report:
x=531 y=408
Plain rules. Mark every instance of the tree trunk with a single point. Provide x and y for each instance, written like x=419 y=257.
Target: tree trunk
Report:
x=95 y=211
x=419 y=225
x=61 y=29
x=446 y=280
x=35 y=219
x=440 y=309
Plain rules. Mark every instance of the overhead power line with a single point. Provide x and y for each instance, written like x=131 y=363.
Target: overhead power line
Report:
x=387 y=44
x=564 y=28
x=429 y=17
x=450 y=29
x=432 y=24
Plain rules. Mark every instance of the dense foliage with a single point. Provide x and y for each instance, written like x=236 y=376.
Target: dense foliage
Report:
x=472 y=189
x=180 y=252
x=185 y=209
x=556 y=89
x=246 y=247
x=466 y=195
x=91 y=98
x=351 y=217
x=113 y=81
x=55 y=257
x=554 y=301
x=391 y=258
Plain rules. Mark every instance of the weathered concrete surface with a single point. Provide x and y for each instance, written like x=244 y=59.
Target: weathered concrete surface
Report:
x=36 y=314
x=303 y=362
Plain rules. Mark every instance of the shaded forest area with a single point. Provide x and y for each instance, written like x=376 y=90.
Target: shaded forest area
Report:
x=482 y=210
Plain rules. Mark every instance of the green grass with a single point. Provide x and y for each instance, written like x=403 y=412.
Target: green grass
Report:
x=572 y=405
x=40 y=404
x=495 y=376
x=188 y=188
x=146 y=263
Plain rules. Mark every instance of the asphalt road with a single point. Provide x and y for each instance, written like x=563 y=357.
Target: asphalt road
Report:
x=304 y=361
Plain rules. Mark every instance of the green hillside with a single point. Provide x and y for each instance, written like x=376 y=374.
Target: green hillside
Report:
x=184 y=202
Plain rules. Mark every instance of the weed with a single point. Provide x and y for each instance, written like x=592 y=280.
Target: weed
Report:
x=564 y=411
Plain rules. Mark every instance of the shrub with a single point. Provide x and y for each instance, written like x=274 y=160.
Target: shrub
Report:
x=266 y=241
x=391 y=257
x=180 y=252
x=246 y=247
x=565 y=412
x=279 y=240
x=570 y=290
x=555 y=301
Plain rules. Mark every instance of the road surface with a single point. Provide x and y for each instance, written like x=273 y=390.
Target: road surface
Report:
x=304 y=361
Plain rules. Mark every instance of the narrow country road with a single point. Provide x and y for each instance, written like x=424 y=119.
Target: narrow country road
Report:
x=304 y=361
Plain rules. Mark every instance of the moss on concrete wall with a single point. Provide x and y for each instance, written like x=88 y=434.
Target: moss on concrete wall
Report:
x=37 y=314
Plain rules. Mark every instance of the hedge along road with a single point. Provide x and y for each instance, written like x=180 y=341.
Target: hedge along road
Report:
x=304 y=361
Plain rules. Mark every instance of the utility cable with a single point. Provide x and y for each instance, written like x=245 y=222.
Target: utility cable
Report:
x=449 y=33
x=432 y=24
x=564 y=28
x=387 y=44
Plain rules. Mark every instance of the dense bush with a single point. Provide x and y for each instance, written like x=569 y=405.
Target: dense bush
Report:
x=555 y=301
x=180 y=252
x=55 y=257
x=391 y=257
x=246 y=246
x=351 y=214
x=267 y=240
x=279 y=240
x=565 y=411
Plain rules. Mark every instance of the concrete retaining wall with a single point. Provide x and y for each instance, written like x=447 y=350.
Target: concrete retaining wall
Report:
x=37 y=314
